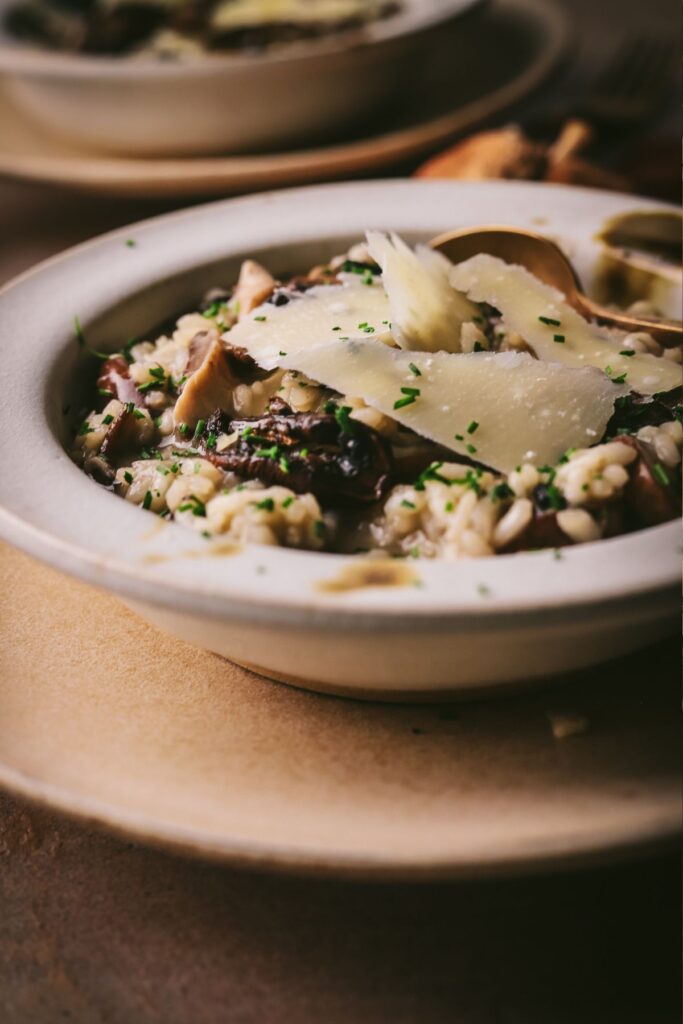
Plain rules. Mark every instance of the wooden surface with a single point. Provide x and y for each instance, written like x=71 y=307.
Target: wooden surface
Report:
x=97 y=931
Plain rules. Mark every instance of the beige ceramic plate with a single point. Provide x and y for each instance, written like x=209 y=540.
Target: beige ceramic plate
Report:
x=523 y=42
x=105 y=718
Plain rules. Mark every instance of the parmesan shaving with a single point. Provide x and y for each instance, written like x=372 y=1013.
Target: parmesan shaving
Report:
x=524 y=409
x=555 y=331
x=321 y=314
x=427 y=313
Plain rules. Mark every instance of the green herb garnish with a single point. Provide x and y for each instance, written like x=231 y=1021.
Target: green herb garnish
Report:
x=661 y=474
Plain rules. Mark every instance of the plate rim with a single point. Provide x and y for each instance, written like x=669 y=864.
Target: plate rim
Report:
x=627 y=841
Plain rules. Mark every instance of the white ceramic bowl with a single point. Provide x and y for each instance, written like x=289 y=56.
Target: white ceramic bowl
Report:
x=226 y=103
x=452 y=626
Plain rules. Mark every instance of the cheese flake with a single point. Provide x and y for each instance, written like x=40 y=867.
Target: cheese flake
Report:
x=555 y=331
x=526 y=410
x=323 y=313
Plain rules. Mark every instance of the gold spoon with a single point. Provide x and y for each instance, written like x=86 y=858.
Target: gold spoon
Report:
x=549 y=264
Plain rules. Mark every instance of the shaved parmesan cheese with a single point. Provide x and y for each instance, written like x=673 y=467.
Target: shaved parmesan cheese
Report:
x=426 y=312
x=555 y=331
x=324 y=313
x=524 y=410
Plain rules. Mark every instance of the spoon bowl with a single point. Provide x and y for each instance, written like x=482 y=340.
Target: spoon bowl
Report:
x=546 y=261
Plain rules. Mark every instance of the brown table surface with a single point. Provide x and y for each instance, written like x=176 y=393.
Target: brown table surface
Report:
x=94 y=930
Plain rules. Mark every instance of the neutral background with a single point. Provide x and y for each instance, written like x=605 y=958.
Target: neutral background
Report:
x=97 y=931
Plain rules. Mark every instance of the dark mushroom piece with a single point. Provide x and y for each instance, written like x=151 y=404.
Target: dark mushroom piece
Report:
x=652 y=495
x=122 y=28
x=339 y=461
x=115 y=379
x=634 y=411
x=544 y=531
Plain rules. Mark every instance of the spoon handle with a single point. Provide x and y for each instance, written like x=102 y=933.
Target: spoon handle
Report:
x=668 y=333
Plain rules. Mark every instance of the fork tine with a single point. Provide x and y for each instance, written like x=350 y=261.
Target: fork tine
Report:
x=617 y=67
x=640 y=68
x=655 y=68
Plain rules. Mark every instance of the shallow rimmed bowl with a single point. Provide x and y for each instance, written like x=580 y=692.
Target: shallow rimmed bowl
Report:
x=430 y=627
x=229 y=103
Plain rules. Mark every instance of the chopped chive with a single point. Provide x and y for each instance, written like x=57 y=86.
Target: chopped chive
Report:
x=413 y=392
x=661 y=474
x=407 y=504
x=627 y=352
x=199 y=429
x=555 y=498
x=211 y=440
x=130 y=243
x=500 y=492
x=483 y=590
x=266 y=453
x=343 y=417
x=416 y=372
x=128 y=477
x=282 y=353
x=472 y=426
x=82 y=343
x=459 y=437
x=470 y=448
x=267 y=505
x=402 y=402
x=260 y=318
x=288 y=501
x=609 y=371
x=559 y=338
x=620 y=379
x=147 y=500
x=549 y=321
x=449 y=506
x=283 y=463
x=319 y=528
x=336 y=328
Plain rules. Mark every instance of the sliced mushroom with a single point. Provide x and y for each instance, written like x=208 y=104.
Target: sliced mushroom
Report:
x=115 y=379
x=338 y=462
x=254 y=286
x=652 y=495
x=198 y=350
x=210 y=387
x=130 y=429
x=503 y=153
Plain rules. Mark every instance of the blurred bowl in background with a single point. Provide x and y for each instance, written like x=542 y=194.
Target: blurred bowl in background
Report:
x=228 y=103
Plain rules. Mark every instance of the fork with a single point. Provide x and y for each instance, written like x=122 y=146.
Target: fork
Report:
x=633 y=85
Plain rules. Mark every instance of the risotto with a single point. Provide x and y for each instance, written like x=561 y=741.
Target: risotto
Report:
x=172 y=29
x=388 y=401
